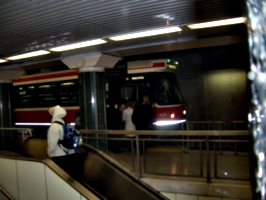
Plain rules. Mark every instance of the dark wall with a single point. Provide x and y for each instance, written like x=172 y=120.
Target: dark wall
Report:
x=213 y=81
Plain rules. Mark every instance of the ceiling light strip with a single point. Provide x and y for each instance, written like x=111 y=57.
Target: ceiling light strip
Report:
x=28 y=55
x=146 y=33
x=78 y=45
x=238 y=20
x=2 y=60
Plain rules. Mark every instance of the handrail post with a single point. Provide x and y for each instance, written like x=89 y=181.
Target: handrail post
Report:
x=201 y=160
x=235 y=146
x=138 y=157
x=144 y=156
x=208 y=160
x=215 y=160
x=132 y=155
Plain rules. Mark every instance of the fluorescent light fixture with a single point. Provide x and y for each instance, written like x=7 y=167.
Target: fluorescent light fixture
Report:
x=79 y=45
x=2 y=60
x=146 y=33
x=27 y=55
x=170 y=122
x=218 y=23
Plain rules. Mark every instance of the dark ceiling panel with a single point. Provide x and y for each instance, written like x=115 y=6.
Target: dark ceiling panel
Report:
x=41 y=24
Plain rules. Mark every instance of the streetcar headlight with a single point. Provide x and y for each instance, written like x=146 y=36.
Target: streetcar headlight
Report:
x=184 y=112
x=171 y=122
x=172 y=115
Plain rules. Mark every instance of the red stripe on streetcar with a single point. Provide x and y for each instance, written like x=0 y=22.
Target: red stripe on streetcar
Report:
x=159 y=64
x=42 y=116
x=47 y=76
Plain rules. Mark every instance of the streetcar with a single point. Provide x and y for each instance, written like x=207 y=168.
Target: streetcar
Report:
x=157 y=79
x=35 y=94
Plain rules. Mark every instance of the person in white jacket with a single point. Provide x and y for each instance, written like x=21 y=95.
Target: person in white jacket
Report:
x=126 y=116
x=61 y=156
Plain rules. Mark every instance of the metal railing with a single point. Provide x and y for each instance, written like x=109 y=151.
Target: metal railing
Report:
x=209 y=147
x=215 y=125
x=13 y=137
x=206 y=125
x=209 y=142
x=22 y=130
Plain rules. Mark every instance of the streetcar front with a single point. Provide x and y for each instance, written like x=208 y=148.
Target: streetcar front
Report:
x=169 y=107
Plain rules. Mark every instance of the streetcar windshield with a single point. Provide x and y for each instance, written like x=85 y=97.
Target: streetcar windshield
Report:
x=167 y=90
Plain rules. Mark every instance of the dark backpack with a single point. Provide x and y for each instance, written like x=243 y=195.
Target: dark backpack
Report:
x=72 y=137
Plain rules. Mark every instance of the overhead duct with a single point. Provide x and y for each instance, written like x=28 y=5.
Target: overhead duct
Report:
x=91 y=62
x=8 y=75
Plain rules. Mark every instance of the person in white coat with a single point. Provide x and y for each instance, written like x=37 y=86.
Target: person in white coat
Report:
x=60 y=155
x=126 y=117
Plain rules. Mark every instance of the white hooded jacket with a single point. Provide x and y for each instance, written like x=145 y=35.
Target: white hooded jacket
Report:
x=56 y=132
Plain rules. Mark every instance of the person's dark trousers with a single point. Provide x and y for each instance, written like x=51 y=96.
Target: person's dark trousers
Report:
x=72 y=164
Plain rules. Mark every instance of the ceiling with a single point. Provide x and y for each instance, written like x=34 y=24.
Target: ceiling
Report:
x=31 y=25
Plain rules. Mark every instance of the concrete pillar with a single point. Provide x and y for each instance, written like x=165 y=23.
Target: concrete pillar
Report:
x=7 y=138
x=92 y=91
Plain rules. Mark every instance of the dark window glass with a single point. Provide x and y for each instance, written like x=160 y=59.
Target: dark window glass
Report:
x=47 y=94
x=68 y=93
x=26 y=96
x=162 y=88
x=167 y=90
x=127 y=91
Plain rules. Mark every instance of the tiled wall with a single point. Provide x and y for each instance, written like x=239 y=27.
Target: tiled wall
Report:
x=26 y=180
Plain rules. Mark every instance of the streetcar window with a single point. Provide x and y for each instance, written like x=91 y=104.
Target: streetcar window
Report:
x=26 y=96
x=68 y=93
x=126 y=92
x=167 y=89
x=47 y=94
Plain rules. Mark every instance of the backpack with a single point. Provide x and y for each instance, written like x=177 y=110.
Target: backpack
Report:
x=72 y=137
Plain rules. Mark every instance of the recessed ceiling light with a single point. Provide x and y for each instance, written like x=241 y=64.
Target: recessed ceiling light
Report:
x=78 y=45
x=238 y=20
x=164 y=16
x=146 y=33
x=27 y=55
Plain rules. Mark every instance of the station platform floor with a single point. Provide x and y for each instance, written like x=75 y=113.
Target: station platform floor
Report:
x=175 y=161
x=183 y=175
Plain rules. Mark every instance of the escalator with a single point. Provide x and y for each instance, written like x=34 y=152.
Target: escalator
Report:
x=102 y=176
x=112 y=181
